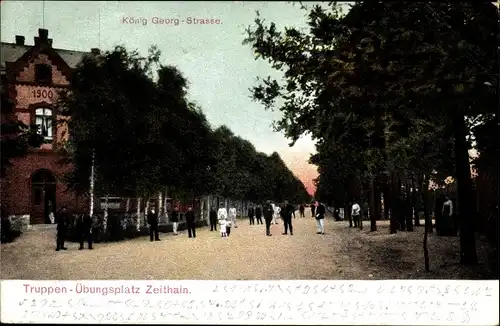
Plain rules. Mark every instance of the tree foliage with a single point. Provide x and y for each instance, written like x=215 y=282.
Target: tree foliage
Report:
x=145 y=134
x=386 y=90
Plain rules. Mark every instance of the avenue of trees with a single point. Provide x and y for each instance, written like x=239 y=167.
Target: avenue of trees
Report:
x=394 y=94
x=132 y=132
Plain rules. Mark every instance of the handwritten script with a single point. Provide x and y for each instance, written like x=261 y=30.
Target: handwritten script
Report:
x=244 y=302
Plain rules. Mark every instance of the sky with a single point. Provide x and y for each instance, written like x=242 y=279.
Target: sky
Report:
x=219 y=68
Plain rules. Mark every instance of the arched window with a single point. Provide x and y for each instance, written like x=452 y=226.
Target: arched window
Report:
x=43 y=119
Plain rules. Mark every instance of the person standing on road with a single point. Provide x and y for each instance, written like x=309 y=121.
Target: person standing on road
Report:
x=258 y=214
x=268 y=217
x=84 y=228
x=223 y=219
x=191 y=222
x=320 y=219
x=301 y=210
x=276 y=213
x=175 y=219
x=213 y=219
x=232 y=217
x=153 y=225
x=356 y=213
x=62 y=228
x=288 y=211
x=251 y=215
x=313 y=209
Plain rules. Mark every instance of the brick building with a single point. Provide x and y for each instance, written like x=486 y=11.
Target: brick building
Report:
x=32 y=76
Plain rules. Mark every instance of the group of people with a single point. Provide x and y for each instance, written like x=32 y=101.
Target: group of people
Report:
x=226 y=220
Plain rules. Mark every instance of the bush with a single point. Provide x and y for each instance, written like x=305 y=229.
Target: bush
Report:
x=7 y=233
x=120 y=227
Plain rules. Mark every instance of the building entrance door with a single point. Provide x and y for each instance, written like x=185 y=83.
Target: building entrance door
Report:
x=43 y=197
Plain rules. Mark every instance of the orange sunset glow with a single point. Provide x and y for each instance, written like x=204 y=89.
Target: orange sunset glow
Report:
x=297 y=162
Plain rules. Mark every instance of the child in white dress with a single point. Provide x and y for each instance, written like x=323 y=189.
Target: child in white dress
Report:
x=223 y=233
x=222 y=216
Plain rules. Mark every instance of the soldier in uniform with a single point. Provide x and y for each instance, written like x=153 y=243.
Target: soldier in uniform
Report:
x=213 y=219
x=62 y=228
x=288 y=212
x=251 y=215
x=191 y=222
x=153 y=225
x=84 y=228
x=268 y=217
x=258 y=214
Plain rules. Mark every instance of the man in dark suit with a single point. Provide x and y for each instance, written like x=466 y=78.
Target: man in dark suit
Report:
x=62 y=228
x=213 y=219
x=84 y=228
x=191 y=222
x=251 y=215
x=288 y=212
x=258 y=214
x=268 y=217
x=153 y=225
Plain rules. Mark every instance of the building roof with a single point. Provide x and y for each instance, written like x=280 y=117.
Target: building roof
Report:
x=10 y=52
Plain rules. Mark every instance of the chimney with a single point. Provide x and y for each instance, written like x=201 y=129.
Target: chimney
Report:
x=19 y=40
x=43 y=33
x=95 y=51
x=43 y=38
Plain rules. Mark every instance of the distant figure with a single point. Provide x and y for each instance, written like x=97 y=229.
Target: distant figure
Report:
x=232 y=216
x=366 y=210
x=62 y=228
x=276 y=213
x=153 y=225
x=213 y=219
x=288 y=212
x=302 y=209
x=50 y=209
x=251 y=215
x=174 y=218
x=258 y=214
x=336 y=213
x=191 y=222
x=84 y=229
x=313 y=209
x=447 y=209
x=268 y=217
x=356 y=212
x=320 y=219
x=223 y=219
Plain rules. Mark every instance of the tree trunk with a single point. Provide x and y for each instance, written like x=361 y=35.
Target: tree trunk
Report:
x=394 y=224
x=105 y=220
x=427 y=221
x=408 y=209
x=387 y=200
x=425 y=198
x=378 y=201
x=165 y=205
x=92 y=182
x=138 y=220
x=373 y=207
x=160 y=207
x=127 y=206
x=414 y=201
x=465 y=203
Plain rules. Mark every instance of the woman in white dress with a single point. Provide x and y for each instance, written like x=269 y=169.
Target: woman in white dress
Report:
x=276 y=213
x=232 y=216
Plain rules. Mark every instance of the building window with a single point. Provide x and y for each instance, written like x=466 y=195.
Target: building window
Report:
x=43 y=119
x=43 y=73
